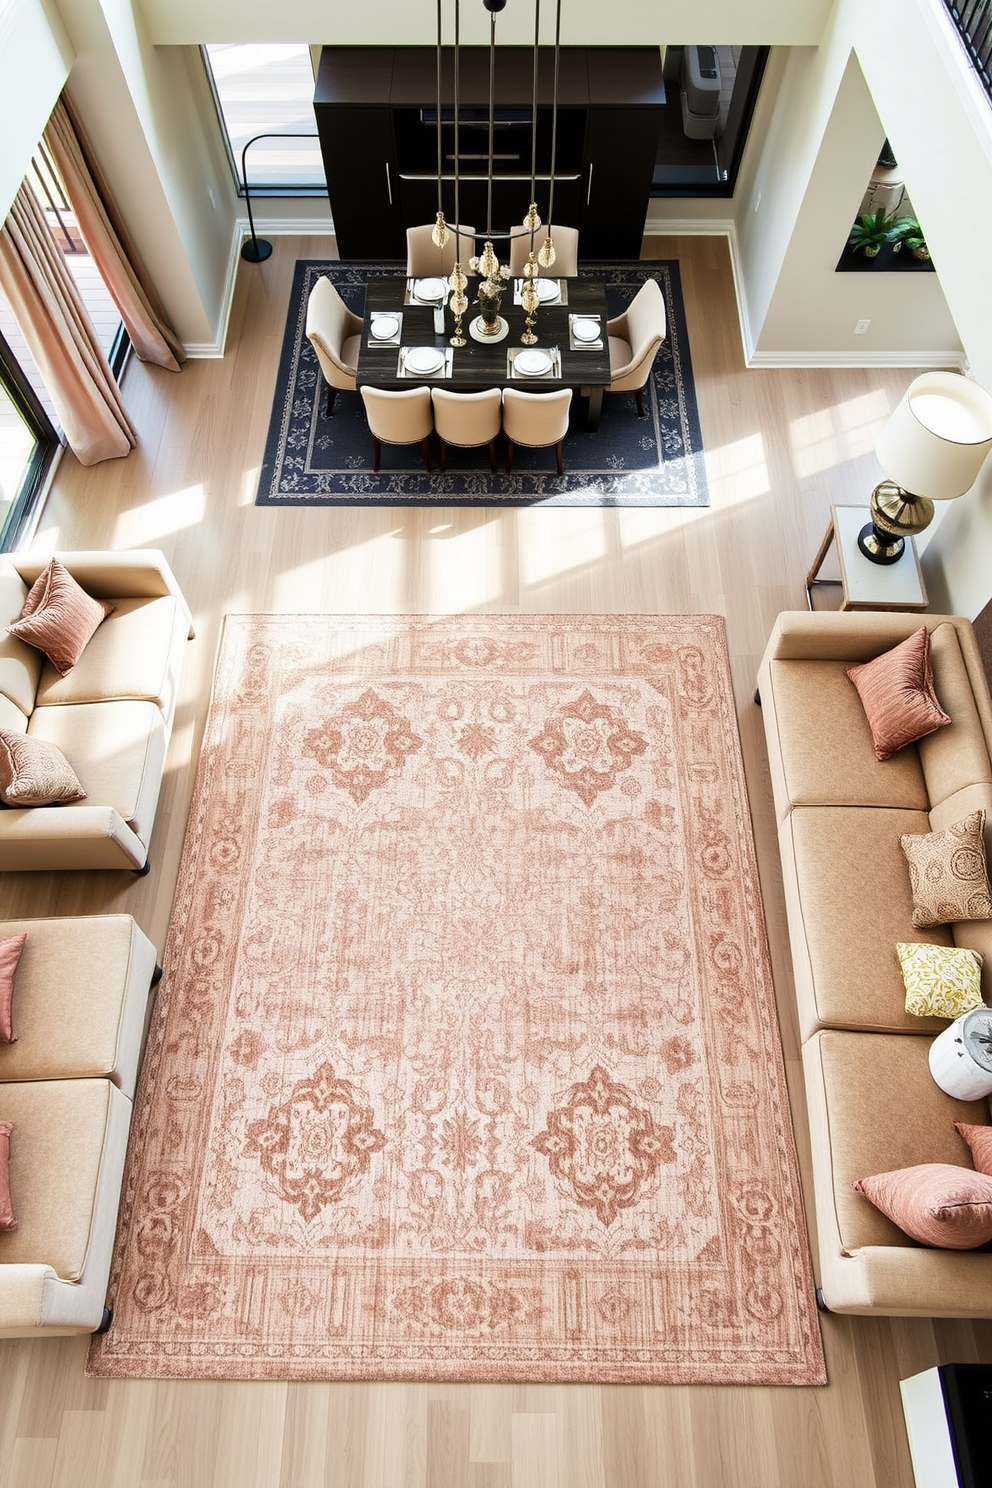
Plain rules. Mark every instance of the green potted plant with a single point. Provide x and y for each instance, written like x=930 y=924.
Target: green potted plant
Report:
x=907 y=233
x=870 y=231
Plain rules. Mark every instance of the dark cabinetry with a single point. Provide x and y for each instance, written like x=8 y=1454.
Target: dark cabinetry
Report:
x=377 y=117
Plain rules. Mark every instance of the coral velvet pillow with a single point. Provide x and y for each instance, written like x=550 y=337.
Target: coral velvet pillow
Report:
x=896 y=691
x=948 y=873
x=935 y=1203
x=10 y=954
x=940 y=981
x=33 y=773
x=59 y=617
x=7 y=1220
x=979 y=1139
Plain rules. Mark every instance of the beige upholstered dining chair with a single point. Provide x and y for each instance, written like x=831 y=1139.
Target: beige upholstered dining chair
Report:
x=467 y=420
x=335 y=335
x=635 y=337
x=424 y=258
x=537 y=420
x=566 y=240
x=400 y=417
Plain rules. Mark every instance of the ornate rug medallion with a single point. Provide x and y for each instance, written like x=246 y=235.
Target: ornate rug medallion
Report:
x=465 y=1060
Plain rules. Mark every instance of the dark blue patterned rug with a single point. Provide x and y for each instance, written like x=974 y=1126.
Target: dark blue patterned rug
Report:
x=312 y=460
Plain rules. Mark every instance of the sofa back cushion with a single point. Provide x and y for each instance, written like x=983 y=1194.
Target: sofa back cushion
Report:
x=20 y=664
x=956 y=757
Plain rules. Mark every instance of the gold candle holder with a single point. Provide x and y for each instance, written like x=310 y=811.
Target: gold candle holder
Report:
x=530 y=300
x=458 y=305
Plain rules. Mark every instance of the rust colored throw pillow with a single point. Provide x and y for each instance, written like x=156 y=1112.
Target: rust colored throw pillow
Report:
x=33 y=773
x=935 y=1203
x=10 y=954
x=948 y=873
x=896 y=691
x=7 y=1220
x=979 y=1139
x=59 y=617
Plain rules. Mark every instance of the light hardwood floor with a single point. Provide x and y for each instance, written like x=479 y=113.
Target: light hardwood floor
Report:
x=781 y=446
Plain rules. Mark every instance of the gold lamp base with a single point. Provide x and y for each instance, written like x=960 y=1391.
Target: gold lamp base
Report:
x=895 y=515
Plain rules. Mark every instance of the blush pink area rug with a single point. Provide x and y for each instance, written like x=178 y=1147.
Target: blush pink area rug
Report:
x=465 y=1064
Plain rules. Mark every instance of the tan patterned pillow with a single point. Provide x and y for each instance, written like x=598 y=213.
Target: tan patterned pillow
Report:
x=33 y=773
x=7 y=1220
x=896 y=691
x=948 y=873
x=935 y=1203
x=59 y=617
x=940 y=981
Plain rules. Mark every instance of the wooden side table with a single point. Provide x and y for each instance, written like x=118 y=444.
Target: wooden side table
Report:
x=866 y=585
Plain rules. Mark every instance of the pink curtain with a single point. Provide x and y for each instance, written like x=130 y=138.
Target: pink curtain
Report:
x=108 y=242
x=54 y=323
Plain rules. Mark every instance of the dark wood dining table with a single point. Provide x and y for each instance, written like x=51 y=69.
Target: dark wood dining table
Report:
x=487 y=364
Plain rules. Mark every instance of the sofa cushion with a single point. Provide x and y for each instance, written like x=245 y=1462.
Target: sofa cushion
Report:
x=874 y=1107
x=8 y=1219
x=35 y=772
x=20 y=664
x=137 y=653
x=940 y=981
x=897 y=692
x=937 y=1204
x=61 y=1129
x=59 y=617
x=849 y=903
x=117 y=749
x=825 y=745
x=948 y=873
x=957 y=757
x=81 y=998
x=11 y=948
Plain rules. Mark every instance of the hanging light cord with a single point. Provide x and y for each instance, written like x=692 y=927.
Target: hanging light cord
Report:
x=492 y=97
x=554 y=119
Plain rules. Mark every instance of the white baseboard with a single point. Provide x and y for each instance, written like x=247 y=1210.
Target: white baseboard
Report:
x=204 y=350
x=783 y=359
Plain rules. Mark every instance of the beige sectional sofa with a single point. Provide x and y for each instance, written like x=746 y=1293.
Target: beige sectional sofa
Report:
x=873 y=1105
x=81 y=996
x=111 y=715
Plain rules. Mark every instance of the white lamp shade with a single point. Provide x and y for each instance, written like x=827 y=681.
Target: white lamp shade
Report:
x=936 y=440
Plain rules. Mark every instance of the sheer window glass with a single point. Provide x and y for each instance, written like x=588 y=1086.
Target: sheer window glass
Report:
x=268 y=89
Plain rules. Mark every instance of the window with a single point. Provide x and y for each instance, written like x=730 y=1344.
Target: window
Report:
x=28 y=444
x=268 y=90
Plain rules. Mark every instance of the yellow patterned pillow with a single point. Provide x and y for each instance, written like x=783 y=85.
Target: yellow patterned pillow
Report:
x=941 y=981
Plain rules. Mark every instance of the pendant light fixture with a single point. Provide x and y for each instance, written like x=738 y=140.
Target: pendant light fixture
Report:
x=487 y=263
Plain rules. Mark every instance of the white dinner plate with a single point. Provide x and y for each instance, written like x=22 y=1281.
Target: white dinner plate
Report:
x=547 y=289
x=586 y=330
x=532 y=363
x=429 y=291
x=424 y=360
x=385 y=326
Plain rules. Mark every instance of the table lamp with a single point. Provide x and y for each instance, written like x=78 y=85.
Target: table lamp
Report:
x=931 y=449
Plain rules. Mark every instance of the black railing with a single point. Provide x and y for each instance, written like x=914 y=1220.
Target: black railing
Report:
x=973 y=19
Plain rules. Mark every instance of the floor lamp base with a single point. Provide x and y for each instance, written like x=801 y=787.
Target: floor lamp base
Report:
x=256 y=250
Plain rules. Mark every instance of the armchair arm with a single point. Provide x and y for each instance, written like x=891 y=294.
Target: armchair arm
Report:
x=132 y=573
x=34 y=1300
x=835 y=635
x=67 y=837
x=22 y=1297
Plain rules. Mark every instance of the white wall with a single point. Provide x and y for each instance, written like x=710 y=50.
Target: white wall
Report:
x=408 y=22
x=35 y=56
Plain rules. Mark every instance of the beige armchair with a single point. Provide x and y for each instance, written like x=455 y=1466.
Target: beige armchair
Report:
x=111 y=715
x=635 y=337
x=425 y=259
x=402 y=417
x=467 y=420
x=566 y=241
x=537 y=420
x=336 y=336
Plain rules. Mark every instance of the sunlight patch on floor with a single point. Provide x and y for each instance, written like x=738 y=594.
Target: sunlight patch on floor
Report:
x=831 y=436
x=154 y=520
x=248 y=487
x=738 y=472
x=463 y=570
x=555 y=541
x=641 y=524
